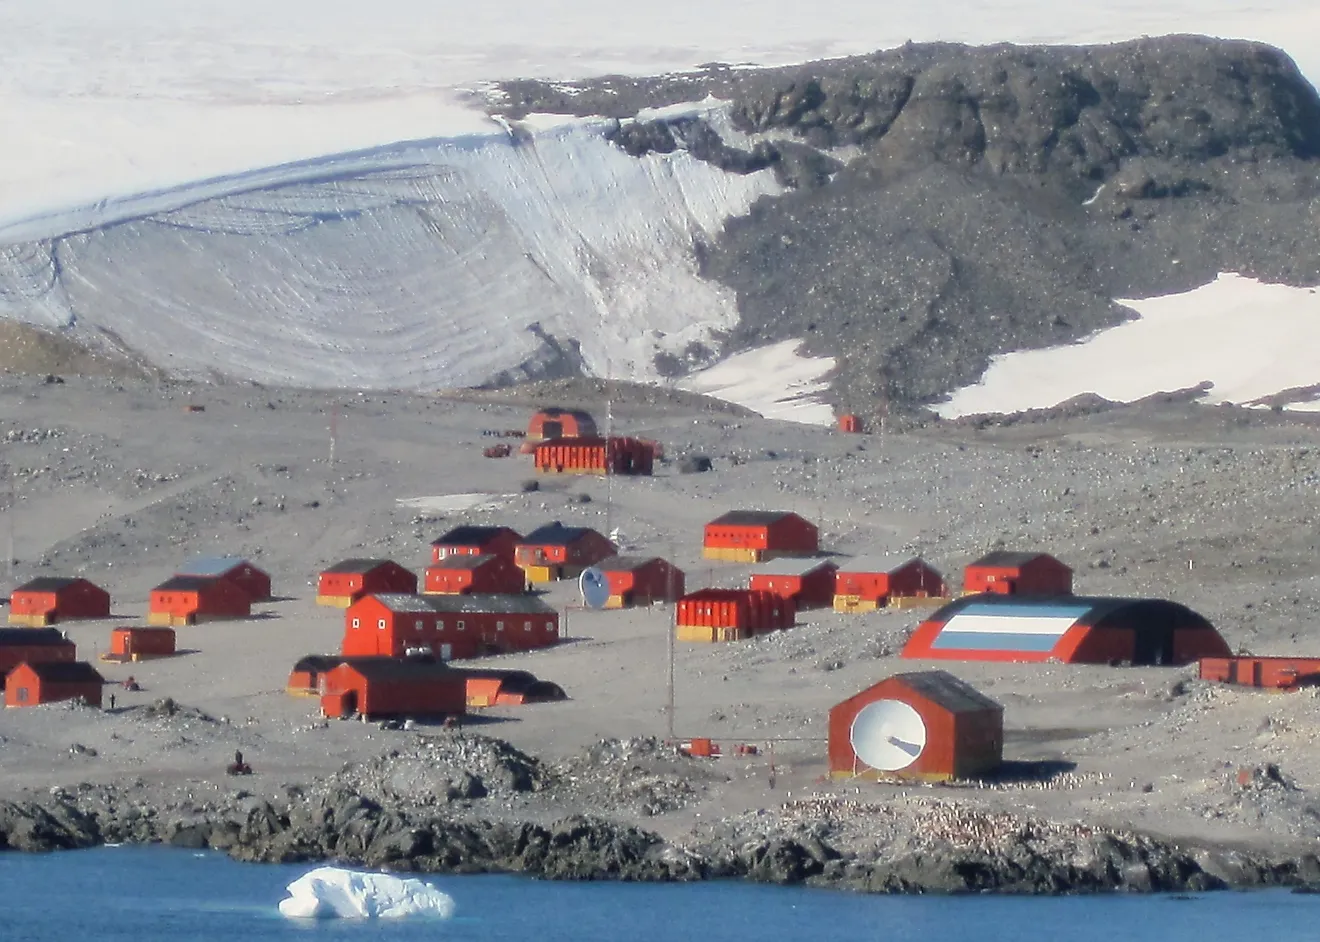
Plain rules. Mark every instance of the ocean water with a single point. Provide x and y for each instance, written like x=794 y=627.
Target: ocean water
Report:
x=149 y=894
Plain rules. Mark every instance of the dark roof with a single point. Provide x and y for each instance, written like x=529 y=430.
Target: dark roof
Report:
x=750 y=518
x=394 y=668
x=793 y=566
x=948 y=691
x=464 y=562
x=471 y=535
x=357 y=565
x=76 y=672
x=625 y=563
x=46 y=584
x=185 y=583
x=555 y=534
x=514 y=681
x=211 y=565
x=34 y=637
x=493 y=604
x=1007 y=559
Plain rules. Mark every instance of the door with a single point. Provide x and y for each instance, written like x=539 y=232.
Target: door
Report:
x=446 y=652
x=552 y=430
x=1153 y=640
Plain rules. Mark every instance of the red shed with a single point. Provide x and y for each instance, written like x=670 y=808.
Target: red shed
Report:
x=641 y=580
x=475 y=541
x=188 y=600
x=850 y=423
x=1277 y=673
x=448 y=626
x=139 y=644
x=808 y=582
x=489 y=575
x=553 y=422
x=50 y=599
x=927 y=725
x=614 y=455
x=305 y=678
x=555 y=551
x=233 y=569
x=345 y=582
x=382 y=687
x=35 y=646
x=731 y=614
x=49 y=682
x=1005 y=573
x=487 y=688
x=867 y=583
x=753 y=536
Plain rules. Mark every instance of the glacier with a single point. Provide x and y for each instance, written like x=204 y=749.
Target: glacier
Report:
x=336 y=893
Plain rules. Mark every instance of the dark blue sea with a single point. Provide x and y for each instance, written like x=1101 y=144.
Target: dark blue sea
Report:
x=141 y=894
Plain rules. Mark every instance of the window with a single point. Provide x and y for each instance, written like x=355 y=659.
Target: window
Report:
x=381 y=624
x=499 y=626
x=419 y=624
x=22 y=695
x=357 y=622
x=462 y=626
x=550 y=627
x=440 y=626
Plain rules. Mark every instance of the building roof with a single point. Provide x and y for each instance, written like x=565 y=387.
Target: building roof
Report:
x=887 y=563
x=1007 y=559
x=750 y=518
x=32 y=637
x=357 y=565
x=948 y=691
x=397 y=668
x=556 y=411
x=556 y=534
x=464 y=562
x=792 y=567
x=211 y=565
x=46 y=584
x=493 y=604
x=69 y=672
x=626 y=563
x=471 y=535
x=185 y=583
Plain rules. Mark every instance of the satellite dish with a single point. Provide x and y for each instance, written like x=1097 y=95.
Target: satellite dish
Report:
x=595 y=587
x=888 y=735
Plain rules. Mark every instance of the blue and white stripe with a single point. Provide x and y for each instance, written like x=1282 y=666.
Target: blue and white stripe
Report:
x=1008 y=627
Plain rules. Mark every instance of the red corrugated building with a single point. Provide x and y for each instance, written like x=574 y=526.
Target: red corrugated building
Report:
x=753 y=536
x=485 y=686
x=475 y=541
x=50 y=682
x=342 y=584
x=850 y=423
x=50 y=599
x=487 y=575
x=808 y=582
x=233 y=569
x=379 y=688
x=1006 y=573
x=641 y=580
x=731 y=614
x=448 y=626
x=615 y=455
x=555 y=551
x=553 y=422
x=865 y=584
x=139 y=644
x=1276 y=673
x=35 y=646
x=189 y=600
x=957 y=732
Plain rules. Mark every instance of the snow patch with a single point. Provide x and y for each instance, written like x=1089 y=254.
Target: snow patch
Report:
x=775 y=381
x=454 y=503
x=1252 y=344
x=335 y=893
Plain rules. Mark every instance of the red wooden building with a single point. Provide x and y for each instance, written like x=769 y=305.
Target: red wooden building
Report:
x=850 y=423
x=139 y=644
x=485 y=686
x=809 y=583
x=50 y=599
x=926 y=725
x=233 y=569
x=641 y=580
x=555 y=551
x=615 y=455
x=448 y=626
x=35 y=646
x=753 y=536
x=1276 y=673
x=342 y=584
x=553 y=422
x=475 y=541
x=731 y=614
x=379 y=688
x=189 y=600
x=865 y=584
x=485 y=575
x=50 y=682
x=1006 y=573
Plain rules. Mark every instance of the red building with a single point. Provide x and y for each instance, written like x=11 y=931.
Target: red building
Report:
x=342 y=584
x=614 y=455
x=555 y=551
x=188 y=600
x=475 y=541
x=253 y=581
x=50 y=599
x=35 y=646
x=50 y=682
x=850 y=423
x=1005 y=573
x=554 y=422
x=927 y=725
x=1276 y=673
x=484 y=575
x=641 y=580
x=731 y=614
x=753 y=536
x=808 y=582
x=485 y=686
x=140 y=644
x=867 y=583
x=450 y=627
x=378 y=688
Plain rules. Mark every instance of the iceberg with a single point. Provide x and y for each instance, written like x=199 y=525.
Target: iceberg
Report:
x=335 y=893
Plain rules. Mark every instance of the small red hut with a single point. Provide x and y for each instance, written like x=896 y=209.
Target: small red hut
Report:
x=553 y=422
x=753 y=536
x=35 y=646
x=615 y=455
x=488 y=575
x=475 y=541
x=808 y=582
x=555 y=551
x=865 y=584
x=731 y=614
x=342 y=584
x=232 y=569
x=139 y=644
x=641 y=580
x=34 y=684
x=188 y=600
x=1007 y=573
x=378 y=688
x=50 y=599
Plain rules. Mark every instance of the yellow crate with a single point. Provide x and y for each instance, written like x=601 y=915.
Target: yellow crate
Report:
x=335 y=601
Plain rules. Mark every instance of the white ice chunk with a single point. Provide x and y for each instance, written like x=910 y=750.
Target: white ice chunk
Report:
x=335 y=893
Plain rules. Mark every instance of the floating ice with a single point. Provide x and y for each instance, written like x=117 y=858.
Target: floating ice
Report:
x=335 y=893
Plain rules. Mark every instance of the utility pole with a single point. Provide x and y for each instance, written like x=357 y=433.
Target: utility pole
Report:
x=9 y=528
x=670 y=631
x=334 y=422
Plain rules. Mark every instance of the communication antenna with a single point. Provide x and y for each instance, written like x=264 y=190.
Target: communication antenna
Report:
x=334 y=430
x=888 y=735
x=595 y=588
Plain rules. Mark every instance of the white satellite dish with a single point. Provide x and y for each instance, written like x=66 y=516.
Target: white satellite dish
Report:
x=888 y=735
x=595 y=588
